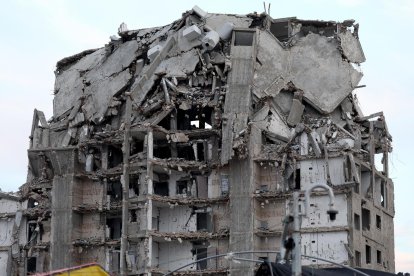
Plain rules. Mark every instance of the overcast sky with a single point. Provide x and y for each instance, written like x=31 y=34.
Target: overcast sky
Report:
x=35 y=34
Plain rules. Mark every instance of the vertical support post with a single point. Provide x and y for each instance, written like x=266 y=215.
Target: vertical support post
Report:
x=173 y=127
x=125 y=184
x=150 y=155
x=372 y=158
x=297 y=261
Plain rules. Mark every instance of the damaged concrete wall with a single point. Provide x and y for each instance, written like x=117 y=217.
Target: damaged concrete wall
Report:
x=173 y=143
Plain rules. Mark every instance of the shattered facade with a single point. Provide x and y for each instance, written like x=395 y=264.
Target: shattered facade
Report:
x=175 y=143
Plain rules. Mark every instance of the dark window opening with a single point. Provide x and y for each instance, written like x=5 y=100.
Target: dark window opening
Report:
x=115 y=156
x=132 y=216
x=195 y=118
x=31 y=203
x=115 y=228
x=186 y=152
x=383 y=194
x=321 y=28
x=378 y=222
x=165 y=123
x=133 y=185
x=32 y=232
x=137 y=146
x=366 y=219
x=199 y=152
x=357 y=222
x=280 y=30
x=243 y=38
x=297 y=179
x=357 y=258
x=115 y=190
x=92 y=159
x=161 y=188
x=115 y=258
x=200 y=252
x=162 y=151
x=182 y=187
x=31 y=265
x=367 y=254
x=203 y=221
x=379 y=257
x=356 y=188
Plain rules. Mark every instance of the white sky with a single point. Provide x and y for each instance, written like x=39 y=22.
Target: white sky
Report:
x=35 y=34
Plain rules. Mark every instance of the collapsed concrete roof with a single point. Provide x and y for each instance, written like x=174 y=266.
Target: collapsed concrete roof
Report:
x=291 y=53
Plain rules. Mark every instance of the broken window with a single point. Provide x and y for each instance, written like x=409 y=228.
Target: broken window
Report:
x=292 y=177
x=114 y=190
x=115 y=156
x=366 y=219
x=137 y=146
x=199 y=151
x=186 y=152
x=32 y=232
x=200 y=252
x=297 y=179
x=383 y=194
x=161 y=150
x=31 y=203
x=204 y=219
x=367 y=254
x=161 y=188
x=193 y=151
x=379 y=257
x=132 y=216
x=280 y=29
x=114 y=260
x=357 y=222
x=133 y=185
x=357 y=258
x=378 y=221
x=114 y=228
x=365 y=181
x=243 y=38
x=182 y=187
x=194 y=118
x=31 y=265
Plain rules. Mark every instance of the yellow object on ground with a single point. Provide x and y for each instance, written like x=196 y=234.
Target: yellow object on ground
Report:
x=83 y=270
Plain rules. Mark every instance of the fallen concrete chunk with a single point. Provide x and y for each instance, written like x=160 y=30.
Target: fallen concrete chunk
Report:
x=226 y=30
x=346 y=143
x=278 y=128
x=179 y=66
x=79 y=119
x=314 y=137
x=210 y=40
x=296 y=112
x=153 y=52
x=179 y=137
x=197 y=10
x=122 y=28
x=192 y=32
x=351 y=47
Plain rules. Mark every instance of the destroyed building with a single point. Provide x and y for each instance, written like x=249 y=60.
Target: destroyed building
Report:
x=175 y=143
